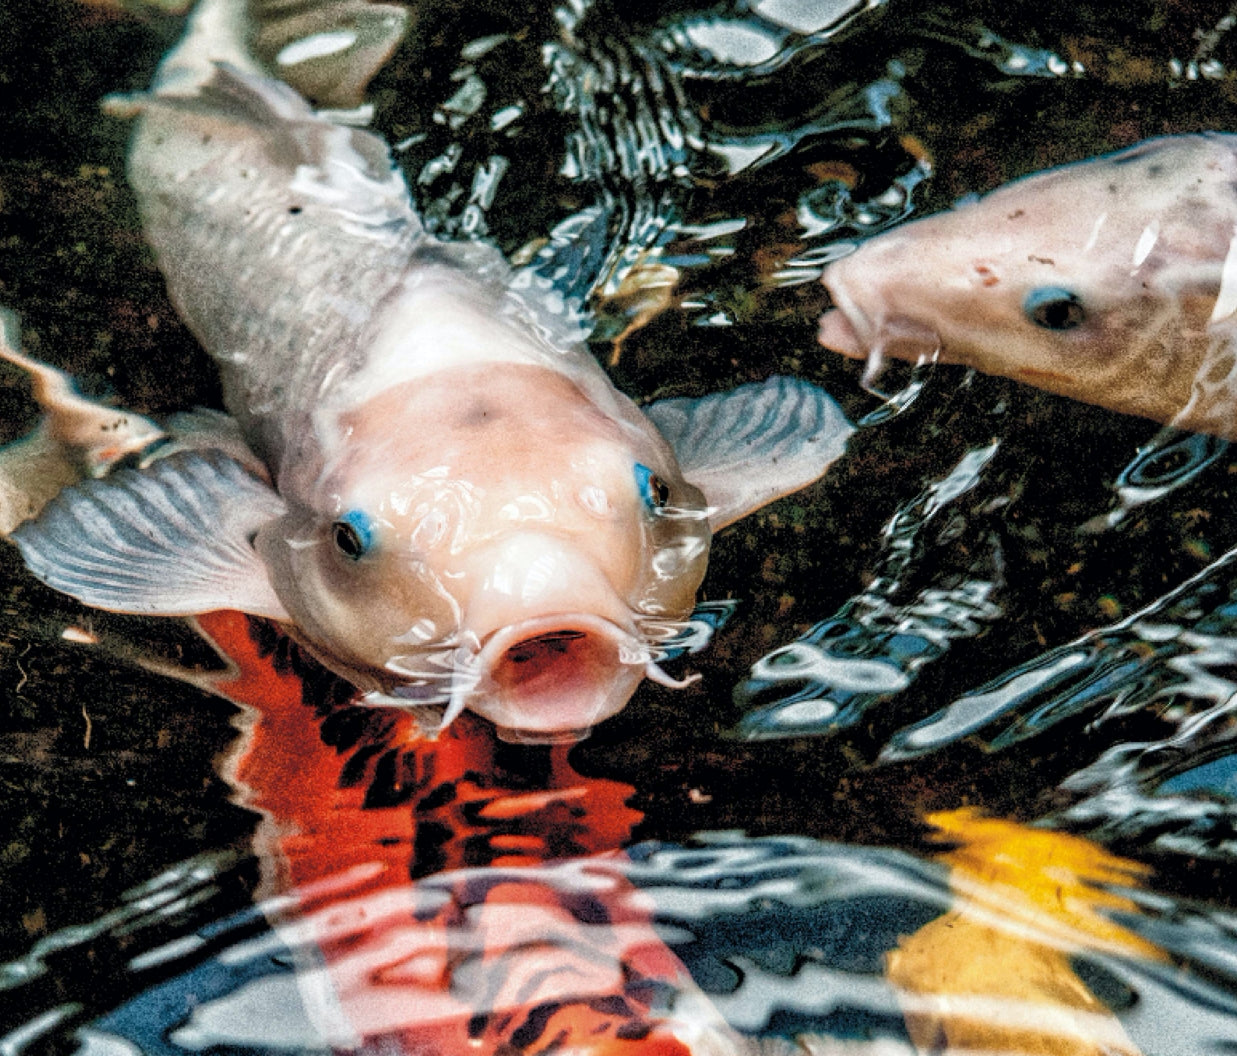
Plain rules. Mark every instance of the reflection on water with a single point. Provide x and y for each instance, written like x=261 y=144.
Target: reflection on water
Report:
x=436 y=896
x=874 y=647
x=974 y=792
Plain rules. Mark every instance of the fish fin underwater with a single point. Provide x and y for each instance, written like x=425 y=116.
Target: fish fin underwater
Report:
x=174 y=539
x=747 y=447
x=328 y=52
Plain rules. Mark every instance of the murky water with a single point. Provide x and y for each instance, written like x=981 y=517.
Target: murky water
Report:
x=959 y=773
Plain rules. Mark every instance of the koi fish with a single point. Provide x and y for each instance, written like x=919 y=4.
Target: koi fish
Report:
x=433 y=898
x=440 y=494
x=1112 y=281
x=1028 y=902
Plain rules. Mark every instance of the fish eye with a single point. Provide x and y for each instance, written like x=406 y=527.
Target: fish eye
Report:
x=653 y=490
x=353 y=534
x=1054 y=308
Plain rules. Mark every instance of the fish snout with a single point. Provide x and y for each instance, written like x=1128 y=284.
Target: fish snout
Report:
x=845 y=329
x=863 y=323
x=838 y=334
x=558 y=646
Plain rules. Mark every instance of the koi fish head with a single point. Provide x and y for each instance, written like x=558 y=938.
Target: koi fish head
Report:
x=490 y=538
x=1101 y=281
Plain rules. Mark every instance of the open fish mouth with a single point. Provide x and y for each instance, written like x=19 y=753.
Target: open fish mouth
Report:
x=543 y=680
x=847 y=330
x=552 y=678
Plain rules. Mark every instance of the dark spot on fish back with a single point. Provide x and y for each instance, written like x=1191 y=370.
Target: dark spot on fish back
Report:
x=1041 y=260
x=439 y=797
x=429 y=847
x=634 y=1031
x=388 y=785
x=1016 y=213
x=535 y=1025
x=479 y=413
x=295 y=210
x=355 y=770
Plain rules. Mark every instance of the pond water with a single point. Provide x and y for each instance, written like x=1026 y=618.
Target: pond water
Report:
x=958 y=776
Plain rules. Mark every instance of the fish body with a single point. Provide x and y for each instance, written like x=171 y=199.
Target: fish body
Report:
x=447 y=502
x=1112 y=281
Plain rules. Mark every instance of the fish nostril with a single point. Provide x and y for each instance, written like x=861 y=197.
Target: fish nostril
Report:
x=987 y=276
x=595 y=500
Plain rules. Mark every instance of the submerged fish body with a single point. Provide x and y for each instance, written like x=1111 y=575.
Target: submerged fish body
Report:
x=1112 y=281
x=448 y=502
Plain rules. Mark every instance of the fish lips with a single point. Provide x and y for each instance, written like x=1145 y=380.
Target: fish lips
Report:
x=552 y=678
x=845 y=329
x=838 y=334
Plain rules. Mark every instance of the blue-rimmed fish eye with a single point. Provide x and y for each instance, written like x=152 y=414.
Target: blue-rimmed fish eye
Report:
x=1054 y=308
x=353 y=534
x=654 y=491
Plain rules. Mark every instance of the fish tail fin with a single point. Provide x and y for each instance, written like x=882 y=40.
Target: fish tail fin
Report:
x=217 y=32
x=326 y=52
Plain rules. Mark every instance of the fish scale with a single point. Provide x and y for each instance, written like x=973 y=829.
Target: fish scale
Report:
x=288 y=331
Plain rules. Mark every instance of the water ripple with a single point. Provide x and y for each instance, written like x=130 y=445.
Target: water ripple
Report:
x=876 y=645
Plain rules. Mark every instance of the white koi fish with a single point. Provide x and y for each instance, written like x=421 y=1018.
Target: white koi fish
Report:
x=447 y=502
x=1112 y=281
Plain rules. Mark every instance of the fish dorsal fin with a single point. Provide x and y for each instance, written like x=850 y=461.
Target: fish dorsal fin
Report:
x=171 y=540
x=327 y=52
x=754 y=444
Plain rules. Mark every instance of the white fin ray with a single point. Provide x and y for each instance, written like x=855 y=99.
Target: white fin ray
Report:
x=172 y=540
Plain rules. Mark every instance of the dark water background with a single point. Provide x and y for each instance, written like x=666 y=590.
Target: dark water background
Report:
x=107 y=773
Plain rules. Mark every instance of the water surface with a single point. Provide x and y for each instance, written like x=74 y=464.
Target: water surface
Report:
x=992 y=608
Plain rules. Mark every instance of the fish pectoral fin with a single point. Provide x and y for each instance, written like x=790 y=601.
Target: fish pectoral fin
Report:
x=754 y=444
x=172 y=539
